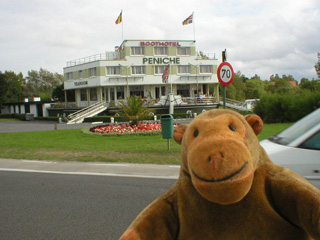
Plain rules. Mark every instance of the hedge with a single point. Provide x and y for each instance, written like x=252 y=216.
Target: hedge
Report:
x=107 y=119
x=56 y=119
x=281 y=108
x=19 y=116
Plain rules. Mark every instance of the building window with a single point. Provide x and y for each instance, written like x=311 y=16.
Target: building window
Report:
x=70 y=76
x=183 y=90
x=184 y=69
x=92 y=72
x=138 y=70
x=83 y=94
x=113 y=70
x=206 y=69
x=93 y=94
x=159 y=69
x=137 y=90
x=160 y=51
x=137 y=50
x=184 y=51
x=120 y=93
x=80 y=74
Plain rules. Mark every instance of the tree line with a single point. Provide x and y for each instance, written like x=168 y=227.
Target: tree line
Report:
x=15 y=87
x=243 y=88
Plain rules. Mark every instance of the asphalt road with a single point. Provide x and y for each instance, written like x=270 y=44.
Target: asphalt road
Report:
x=73 y=200
x=60 y=206
x=30 y=126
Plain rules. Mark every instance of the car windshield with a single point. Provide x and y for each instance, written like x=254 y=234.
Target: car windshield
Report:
x=297 y=129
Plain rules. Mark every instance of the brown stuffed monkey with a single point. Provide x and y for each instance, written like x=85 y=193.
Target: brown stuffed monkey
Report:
x=228 y=189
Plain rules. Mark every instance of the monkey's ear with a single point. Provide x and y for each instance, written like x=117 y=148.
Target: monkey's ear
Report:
x=179 y=132
x=255 y=122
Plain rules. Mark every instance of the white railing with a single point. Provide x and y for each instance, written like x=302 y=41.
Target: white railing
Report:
x=96 y=57
x=235 y=104
x=92 y=110
x=201 y=55
x=70 y=105
x=200 y=100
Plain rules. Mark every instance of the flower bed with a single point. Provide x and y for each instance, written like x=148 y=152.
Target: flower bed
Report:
x=124 y=129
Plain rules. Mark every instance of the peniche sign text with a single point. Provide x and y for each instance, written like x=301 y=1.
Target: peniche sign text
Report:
x=161 y=60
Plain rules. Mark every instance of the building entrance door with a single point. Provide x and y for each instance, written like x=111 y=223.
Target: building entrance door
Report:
x=112 y=95
x=157 y=89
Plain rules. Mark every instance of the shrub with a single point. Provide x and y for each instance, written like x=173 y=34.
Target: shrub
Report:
x=56 y=119
x=19 y=116
x=280 y=108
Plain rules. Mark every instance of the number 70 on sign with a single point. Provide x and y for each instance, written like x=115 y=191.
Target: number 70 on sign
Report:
x=225 y=73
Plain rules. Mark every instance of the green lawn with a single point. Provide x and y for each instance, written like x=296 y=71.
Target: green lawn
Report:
x=9 y=120
x=74 y=145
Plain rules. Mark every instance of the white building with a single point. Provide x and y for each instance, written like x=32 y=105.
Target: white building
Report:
x=136 y=68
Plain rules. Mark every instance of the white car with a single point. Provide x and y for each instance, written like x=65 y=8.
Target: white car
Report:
x=298 y=147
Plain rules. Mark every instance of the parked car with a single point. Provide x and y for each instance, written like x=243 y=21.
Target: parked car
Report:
x=298 y=147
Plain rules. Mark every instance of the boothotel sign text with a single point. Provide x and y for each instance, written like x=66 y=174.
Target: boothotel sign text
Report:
x=160 y=60
x=173 y=44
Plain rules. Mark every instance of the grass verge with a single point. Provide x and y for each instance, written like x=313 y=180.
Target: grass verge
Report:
x=74 y=145
x=9 y=120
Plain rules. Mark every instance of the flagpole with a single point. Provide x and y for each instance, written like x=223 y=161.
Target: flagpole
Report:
x=194 y=27
x=170 y=77
x=122 y=24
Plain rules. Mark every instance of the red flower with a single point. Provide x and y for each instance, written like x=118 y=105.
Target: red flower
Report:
x=127 y=128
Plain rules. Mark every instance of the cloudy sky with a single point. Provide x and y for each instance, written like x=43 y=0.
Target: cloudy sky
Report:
x=262 y=37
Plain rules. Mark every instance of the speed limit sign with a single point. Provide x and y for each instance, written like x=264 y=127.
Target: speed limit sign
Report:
x=225 y=73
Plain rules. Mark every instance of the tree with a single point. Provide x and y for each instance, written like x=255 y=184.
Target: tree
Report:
x=317 y=66
x=42 y=83
x=58 y=93
x=3 y=89
x=134 y=109
x=254 y=88
x=281 y=85
x=12 y=87
x=237 y=88
x=313 y=86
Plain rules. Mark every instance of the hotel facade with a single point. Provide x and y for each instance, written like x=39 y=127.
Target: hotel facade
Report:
x=136 y=68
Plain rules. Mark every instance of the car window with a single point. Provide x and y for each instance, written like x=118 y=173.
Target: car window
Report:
x=312 y=143
x=297 y=129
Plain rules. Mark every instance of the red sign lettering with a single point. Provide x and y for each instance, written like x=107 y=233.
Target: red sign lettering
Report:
x=160 y=44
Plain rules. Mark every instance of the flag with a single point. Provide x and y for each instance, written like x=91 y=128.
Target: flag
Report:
x=119 y=19
x=188 y=20
x=165 y=75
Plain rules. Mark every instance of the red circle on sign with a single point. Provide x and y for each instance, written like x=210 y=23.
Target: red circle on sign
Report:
x=225 y=73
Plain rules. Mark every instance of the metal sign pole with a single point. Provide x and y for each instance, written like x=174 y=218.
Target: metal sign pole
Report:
x=224 y=96
x=224 y=59
x=225 y=75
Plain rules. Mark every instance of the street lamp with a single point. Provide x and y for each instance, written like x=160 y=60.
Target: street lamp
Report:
x=127 y=75
x=196 y=67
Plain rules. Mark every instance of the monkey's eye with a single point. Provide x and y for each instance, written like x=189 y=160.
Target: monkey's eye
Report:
x=232 y=128
x=196 y=133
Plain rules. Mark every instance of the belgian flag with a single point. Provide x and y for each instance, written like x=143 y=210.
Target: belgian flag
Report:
x=119 y=19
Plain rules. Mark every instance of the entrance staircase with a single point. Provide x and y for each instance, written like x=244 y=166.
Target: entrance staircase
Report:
x=86 y=112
